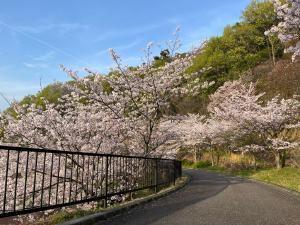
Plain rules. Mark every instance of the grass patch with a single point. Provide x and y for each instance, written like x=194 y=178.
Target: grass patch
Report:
x=64 y=216
x=287 y=177
x=197 y=165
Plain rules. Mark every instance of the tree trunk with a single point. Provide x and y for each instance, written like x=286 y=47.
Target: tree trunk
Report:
x=273 y=55
x=269 y=50
x=199 y=155
x=218 y=159
x=195 y=157
x=273 y=51
x=254 y=163
x=278 y=161
x=212 y=158
x=283 y=157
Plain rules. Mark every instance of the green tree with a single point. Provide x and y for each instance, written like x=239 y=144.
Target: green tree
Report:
x=260 y=14
x=242 y=46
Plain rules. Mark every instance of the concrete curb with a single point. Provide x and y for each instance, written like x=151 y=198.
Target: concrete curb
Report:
x=94 y=218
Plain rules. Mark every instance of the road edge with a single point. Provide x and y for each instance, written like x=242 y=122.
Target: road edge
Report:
x=94 y=218
x=277 y=186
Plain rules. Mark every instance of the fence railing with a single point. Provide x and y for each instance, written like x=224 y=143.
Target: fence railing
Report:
x=33 y=180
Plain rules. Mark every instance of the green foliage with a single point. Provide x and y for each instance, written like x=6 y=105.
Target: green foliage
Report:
x=50 y=93
x=158 y=63
x=202 y=164
x=261 y=14
x=198 y=165
x=241 y=46
x=187 y=163
x=106 y=86
x=162 y=59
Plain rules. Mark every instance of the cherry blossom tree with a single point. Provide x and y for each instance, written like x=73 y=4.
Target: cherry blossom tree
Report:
x=258 y=123
x=239 y=120
x=69 y=126
x=191 y=130
x=288 y=29
x=204 y=134
x=138 y=97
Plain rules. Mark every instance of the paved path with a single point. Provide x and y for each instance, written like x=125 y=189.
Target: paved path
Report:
x=214 y=199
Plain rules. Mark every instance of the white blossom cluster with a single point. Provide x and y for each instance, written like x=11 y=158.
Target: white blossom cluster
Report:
x=195 y=86
x=288 y=29
x=239 y=103
x=238 y=119
x=69 y=126
x=138 y=99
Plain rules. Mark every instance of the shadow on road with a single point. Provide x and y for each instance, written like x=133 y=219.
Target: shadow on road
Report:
x=202 y=186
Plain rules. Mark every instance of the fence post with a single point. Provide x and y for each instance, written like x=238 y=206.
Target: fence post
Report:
x=106 y=182
x=156 y=175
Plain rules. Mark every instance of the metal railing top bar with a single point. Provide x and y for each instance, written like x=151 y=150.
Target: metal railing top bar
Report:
x=39 y=150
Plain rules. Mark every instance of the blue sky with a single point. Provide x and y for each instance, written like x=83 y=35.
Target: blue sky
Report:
x=37 y=36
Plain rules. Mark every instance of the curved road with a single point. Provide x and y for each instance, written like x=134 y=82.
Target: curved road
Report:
x=214 y=199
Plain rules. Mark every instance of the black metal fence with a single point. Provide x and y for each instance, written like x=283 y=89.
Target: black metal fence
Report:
x=34 y=180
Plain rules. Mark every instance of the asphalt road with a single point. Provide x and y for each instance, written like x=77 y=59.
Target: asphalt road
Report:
x=217 y=200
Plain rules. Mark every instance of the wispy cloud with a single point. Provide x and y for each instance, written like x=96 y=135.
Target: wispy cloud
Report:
x=40 y=41
x=120 y=47
x=57 y=27
x=35 y=65
x=130 y=31
x=127 y=46
x=45 y=57
x=41 y=61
